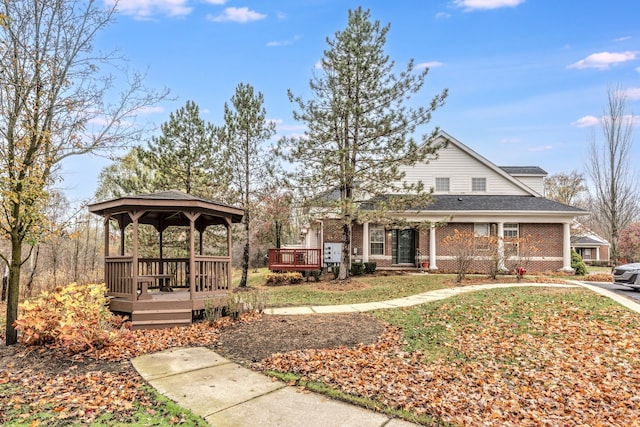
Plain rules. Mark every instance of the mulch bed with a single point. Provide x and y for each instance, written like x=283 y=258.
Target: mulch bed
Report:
x=253 y=341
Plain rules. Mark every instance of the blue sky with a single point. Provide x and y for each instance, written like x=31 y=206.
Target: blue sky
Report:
x=527 y=79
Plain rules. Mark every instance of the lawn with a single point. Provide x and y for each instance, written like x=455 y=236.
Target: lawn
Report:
x=520 y=356
x=360 y=289
x=516 y=356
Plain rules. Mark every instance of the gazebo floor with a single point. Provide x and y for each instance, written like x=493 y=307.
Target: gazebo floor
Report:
x=164 y=309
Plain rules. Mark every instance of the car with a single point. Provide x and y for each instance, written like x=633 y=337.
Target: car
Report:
x=627 y=275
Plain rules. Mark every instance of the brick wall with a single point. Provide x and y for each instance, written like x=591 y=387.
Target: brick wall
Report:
x=547 y=237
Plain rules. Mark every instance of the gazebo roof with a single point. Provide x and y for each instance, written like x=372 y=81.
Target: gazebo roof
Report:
x=168 y=208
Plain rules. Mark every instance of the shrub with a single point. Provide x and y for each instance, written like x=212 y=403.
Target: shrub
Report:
x=370 y=267
x=245 y=301
x=284 y=279
x=316 y=274
x=75 y=317
x=214 y=309
x=578 y=264
x=335 y=270
x=357 y=268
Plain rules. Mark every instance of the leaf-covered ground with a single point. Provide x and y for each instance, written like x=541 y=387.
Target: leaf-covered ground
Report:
x=495 y=358
x=79 y=389
x=511 y=360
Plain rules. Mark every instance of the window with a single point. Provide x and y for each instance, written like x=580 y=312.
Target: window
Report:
x=481 y=229
x=376 y=241
x=442 y=185
x=511 y=231
x=482 y=232
x=478 y=184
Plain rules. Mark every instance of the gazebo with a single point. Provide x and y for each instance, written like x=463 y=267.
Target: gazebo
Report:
x=162 y=291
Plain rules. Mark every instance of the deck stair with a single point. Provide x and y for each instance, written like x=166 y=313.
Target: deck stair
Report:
x=161 y=317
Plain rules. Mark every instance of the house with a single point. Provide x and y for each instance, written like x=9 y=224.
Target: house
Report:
x=470 y=194
x=593 y=249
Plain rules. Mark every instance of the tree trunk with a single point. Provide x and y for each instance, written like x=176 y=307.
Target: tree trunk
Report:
x=245 y=254
x=345 y=259
x=14 y=289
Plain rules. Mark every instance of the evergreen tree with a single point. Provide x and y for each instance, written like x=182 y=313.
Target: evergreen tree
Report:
x=360 y=130
x=245 y=131
x=127 y=176
x=186 y=156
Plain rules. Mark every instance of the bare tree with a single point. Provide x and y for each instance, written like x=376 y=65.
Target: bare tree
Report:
x=54 y=103
x=462 y=245
x=565 y=188
x=615 y=195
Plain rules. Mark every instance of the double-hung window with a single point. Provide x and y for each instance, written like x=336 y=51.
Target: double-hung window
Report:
x=478 y=184
x=442 y=184
x=376 y=241
x=482 y=232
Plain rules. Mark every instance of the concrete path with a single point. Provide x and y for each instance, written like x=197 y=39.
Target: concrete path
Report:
x=409 y=301
x=228 y=395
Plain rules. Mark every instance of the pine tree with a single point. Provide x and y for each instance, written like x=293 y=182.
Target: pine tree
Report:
x=245 y=131
x=186 y=156
x=360 y=130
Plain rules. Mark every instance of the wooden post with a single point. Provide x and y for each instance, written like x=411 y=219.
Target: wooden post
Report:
x=135 y=216
x=229 y=248
x=193 y=216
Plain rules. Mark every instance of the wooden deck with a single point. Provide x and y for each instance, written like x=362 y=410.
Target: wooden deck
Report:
x=295 y=259
x=163 y=295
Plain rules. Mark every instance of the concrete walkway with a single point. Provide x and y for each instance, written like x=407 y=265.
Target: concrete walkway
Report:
x=226 y=394
x=409 y=301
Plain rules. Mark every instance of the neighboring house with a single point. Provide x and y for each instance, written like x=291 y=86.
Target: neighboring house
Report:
x=592 y=248
x=471 y=194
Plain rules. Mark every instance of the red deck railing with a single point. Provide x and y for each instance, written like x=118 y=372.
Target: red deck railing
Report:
x=295 y=259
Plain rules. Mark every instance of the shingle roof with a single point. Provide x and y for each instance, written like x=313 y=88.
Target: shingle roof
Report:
x=523 y=170
x=586 y=240
x=454 y=203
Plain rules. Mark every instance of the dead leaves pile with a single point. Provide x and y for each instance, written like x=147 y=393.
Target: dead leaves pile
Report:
x=72 y=396
x=75 y=395
x=576 y=372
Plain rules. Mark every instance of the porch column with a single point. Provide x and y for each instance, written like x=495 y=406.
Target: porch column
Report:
x=501 y=266
x=566 y=247
x=598 y=253
x=432 y=248
x=365 y=241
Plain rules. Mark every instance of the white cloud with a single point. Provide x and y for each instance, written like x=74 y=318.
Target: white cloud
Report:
x=237 y=14
x=471 y=5
x=145 y=9
x=586 y=121
x=603 y=60
x=509 y=140
x=540 y=148
x=442 y=15
x=633 y=93
x=150 y=110
x=622 y=39
x=218 y=2
x=431 y=64
x=287 y=42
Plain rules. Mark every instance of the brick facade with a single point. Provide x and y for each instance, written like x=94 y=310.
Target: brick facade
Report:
x=547 y=237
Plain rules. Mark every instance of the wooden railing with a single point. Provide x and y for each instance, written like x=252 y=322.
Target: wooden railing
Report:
x=212 y=275
x=295 y=259
x=117 y=276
